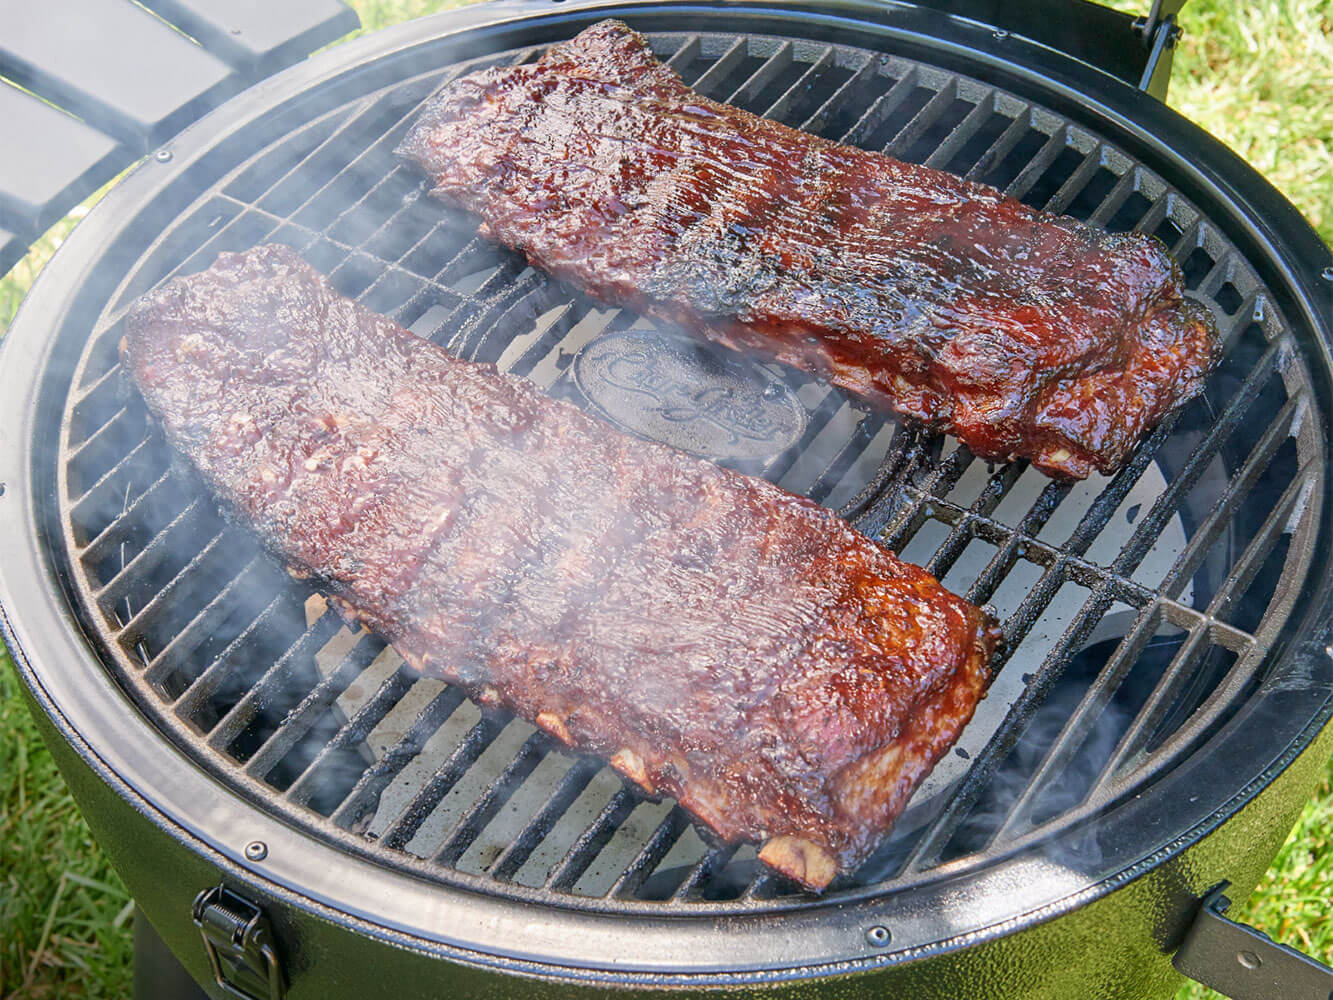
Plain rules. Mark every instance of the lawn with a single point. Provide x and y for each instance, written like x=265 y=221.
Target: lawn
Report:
x=1259 y=76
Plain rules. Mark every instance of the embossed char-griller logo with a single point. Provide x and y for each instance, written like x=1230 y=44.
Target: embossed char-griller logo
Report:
x=695 y=400
x=679 y=401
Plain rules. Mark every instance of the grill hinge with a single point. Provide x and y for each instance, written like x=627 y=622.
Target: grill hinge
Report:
x=1159 y=32
x=239 y=943
x=1244 y=963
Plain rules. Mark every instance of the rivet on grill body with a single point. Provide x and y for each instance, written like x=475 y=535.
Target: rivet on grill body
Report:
x=162 y=155
x=878 y=936
x=1327 y=274
x=1001 y=34
x=1249 y=959
x=256 y=850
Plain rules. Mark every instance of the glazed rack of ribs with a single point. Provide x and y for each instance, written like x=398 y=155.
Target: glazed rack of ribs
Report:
x=720 y=640
x=1025 y=334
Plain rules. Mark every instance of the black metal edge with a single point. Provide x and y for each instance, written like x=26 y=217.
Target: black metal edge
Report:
x=1283 y=230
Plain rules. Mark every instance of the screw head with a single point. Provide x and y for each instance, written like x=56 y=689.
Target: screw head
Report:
x=1327 y=274
x=256 y=850
x=162 y=155
x=1000 y=34
x=878 y=936
x=1249 y=959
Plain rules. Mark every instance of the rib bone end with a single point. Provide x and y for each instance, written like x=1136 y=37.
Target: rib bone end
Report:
x=800 y=860
x=631 y=765
x=554 y=725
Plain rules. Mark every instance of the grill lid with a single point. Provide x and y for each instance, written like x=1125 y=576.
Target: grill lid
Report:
x=1164 y=655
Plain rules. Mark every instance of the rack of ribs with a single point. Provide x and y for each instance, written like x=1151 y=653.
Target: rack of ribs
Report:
x=1024 y=334
x=716 y=638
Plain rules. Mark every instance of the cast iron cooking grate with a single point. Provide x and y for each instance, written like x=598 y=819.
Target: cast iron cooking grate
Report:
x=1136 y=608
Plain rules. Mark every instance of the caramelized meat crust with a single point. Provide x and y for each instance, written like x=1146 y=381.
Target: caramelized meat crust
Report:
x=716 y=638
x=1025 y=334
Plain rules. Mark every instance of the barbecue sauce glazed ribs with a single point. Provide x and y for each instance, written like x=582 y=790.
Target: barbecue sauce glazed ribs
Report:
x=716 y=638
x=1025 y=334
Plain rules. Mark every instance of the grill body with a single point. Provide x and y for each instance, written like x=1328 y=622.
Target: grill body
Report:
x=1121 y=872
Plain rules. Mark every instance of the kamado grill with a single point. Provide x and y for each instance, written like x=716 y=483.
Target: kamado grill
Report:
x=335 y=825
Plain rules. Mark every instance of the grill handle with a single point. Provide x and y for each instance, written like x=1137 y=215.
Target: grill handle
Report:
x=1244 y=963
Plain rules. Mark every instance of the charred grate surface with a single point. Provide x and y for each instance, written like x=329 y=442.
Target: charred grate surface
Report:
x=1137 y=608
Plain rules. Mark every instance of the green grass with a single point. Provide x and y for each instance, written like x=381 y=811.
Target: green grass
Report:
x=1258 y=76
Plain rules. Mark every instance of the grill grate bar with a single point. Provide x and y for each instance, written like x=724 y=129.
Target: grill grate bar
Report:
x=1002 y=146
x=374 y=779
x=98 y=438
x=137 y=454
x=1033 y=549
x=842 y=462
x=1255 y=554
x=1154 y=710
x=343 y=137
x=158 y=548
x=1039 y=164
x=685 y=54
x=997 y=485
x=409 y=819
x=779 y=109
x=356 y=729
x=1150 y=524
x=963 y=131
x=133 y=629
x=1103 y=508
x=882 y=107
x=1078 y=180
x=852 y=87
x=581 y=853
x=436 y=284
x=1223 y=510
x=783 y=463
x=1249 y=563
x=923 y=119
x=567 y=790
x=1128 y=183
x=132 y=515
x=722 y=66
x=223 y=666
x=264 y=690
x=470 y=825
x=1081 y=722
x=85 y=392
x=209 y=617
x=758 y=81
x=930 y=845
x=299 y=721
x=702 y=870
x=659 y=843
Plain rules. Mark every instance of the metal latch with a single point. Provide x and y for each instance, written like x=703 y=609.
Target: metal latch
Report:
x=1245 y=964
x=239 y=943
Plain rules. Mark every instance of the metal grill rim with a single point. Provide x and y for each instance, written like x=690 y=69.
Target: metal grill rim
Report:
x=881 y=510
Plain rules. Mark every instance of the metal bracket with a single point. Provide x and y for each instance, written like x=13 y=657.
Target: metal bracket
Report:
x=1244 y=963
x=1157 y=71
x=1159 y=32
x=239 y=943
